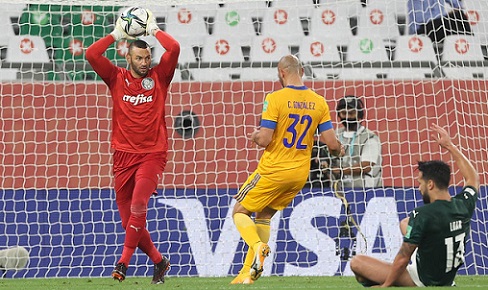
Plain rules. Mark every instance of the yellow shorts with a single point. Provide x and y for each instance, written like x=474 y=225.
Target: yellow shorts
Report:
x=259 y=192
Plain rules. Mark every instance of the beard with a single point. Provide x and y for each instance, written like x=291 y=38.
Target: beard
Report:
x=426 y=198
x=350 y=124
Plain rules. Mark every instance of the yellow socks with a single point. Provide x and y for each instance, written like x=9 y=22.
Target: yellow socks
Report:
x=247 y=228
x=262 y=227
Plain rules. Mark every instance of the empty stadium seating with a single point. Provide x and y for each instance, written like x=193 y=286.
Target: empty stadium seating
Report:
x=339 y=39
x=415 y=48
x=222 y=49
x=477 y=11
x=27 y=49
x=256 y=8
x=187 y=25
x=44 y=21
x=319 y=49
x=267 y=48
x=331 y=21
x=462 y=57
x=416 y=56
x=376 y=20
x=363 y=48
x=235 y=21
x=8 y=74
x=7 y=32
x=304 y=8
x=284 y=23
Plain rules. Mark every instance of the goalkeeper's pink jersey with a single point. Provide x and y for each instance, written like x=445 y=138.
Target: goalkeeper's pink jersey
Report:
x=138 y=116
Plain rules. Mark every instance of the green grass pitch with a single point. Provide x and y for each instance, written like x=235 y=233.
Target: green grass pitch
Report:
x=192 y=283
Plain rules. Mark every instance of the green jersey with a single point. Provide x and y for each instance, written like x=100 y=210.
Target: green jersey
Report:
x=440 y=229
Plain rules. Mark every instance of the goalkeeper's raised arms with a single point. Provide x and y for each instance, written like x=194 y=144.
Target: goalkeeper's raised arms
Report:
x=14 y=258
x=151 y=26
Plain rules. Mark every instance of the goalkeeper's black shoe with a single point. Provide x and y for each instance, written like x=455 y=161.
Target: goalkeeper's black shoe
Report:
x=159 y=271
x=119 y=272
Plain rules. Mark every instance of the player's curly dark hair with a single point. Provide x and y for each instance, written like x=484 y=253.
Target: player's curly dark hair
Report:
x=437 y=171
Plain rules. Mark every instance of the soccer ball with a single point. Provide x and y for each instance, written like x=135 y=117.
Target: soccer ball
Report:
x=14 y=258
x=134 y=21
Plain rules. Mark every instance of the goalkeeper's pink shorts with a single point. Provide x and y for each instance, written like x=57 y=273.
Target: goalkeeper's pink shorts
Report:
x=130 y=167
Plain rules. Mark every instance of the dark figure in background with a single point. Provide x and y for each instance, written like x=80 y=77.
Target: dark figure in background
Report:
x=318 y=177
x=361 y=166
x=436 y=19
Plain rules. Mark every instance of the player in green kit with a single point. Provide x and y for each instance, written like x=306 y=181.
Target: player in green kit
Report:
x=435 y=233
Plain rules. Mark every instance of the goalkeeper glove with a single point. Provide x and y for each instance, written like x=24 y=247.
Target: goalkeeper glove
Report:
x=151 y=25
x=118 y=33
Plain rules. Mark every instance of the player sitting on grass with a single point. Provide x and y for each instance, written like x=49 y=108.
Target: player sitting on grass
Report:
x=434 y=234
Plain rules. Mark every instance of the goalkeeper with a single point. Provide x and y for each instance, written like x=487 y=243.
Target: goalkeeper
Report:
x=139 y=136
x=434 y=234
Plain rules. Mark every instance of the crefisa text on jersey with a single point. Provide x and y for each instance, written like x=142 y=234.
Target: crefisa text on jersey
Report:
x=301 y=105
x=137 y=100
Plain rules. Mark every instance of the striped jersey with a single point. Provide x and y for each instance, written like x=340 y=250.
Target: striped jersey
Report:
x=295 y=114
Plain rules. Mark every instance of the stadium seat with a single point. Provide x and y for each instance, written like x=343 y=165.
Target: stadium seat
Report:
x=13 y=9
x=462 y=58
x=268 y=49
x=305 y=8
x=316 y=49
x=477 y=11
x=418 y=53
x=27 y=49
x=331 y=20
x=256 y=8
x=44 y=21
x=284 y=23
x=376 y=20
x=396 y=7
x=159 y=11
x=207 y=10
x=220 y=49
x=73 y=49
x=348 y=8
x=187 y=25
x=88 y=21
x=8 y=74
x=187 y=54
x=414 y=48
x=366 y=49
x=462 y=48
x=232 y=22
x=265 y=50
x=8 y=30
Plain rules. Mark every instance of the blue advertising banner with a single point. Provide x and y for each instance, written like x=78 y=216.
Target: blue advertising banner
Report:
x=77 y=233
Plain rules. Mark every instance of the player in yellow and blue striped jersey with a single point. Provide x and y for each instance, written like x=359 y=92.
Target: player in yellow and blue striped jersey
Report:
x=291 y=116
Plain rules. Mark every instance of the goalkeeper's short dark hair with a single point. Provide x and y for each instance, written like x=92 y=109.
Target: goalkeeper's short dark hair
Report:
x=351 y=102
x=139 y=44
x=436 y=170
